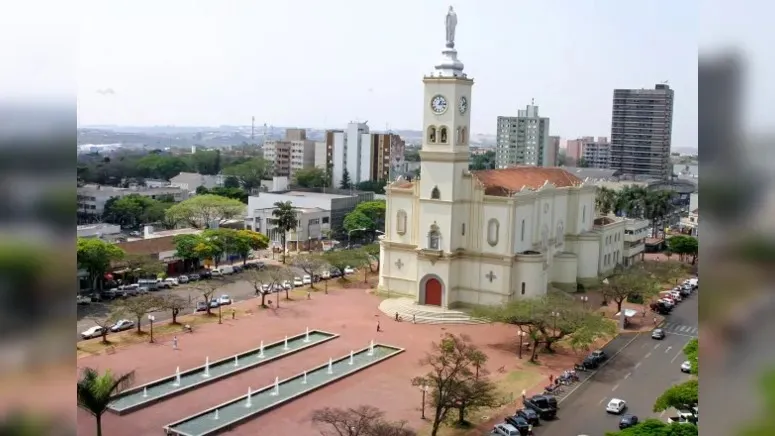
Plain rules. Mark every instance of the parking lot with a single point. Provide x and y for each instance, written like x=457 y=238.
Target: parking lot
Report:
x=236 y=286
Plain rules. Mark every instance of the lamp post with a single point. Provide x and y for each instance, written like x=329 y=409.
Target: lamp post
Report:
x=584 y=300
x=220 y=317
x=521 y=335
x=151 y=319
x=424 y=389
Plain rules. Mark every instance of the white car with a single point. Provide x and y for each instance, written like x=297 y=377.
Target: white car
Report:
x=686 y=367
x=616 y=406
x=349 y=270
x=266 y=289
x=325 y=275
x=505 y=429
x=121 y=325
x=183 y=279
x=215 y=272
x=297 y=282
x=225 y=299
x=307 y=279
x=92 y=332
x=287 y=285
x=83 y=299
x=172 y=281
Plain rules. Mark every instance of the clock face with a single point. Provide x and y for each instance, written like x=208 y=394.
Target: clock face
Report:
x=439 y=104
x=462 y=105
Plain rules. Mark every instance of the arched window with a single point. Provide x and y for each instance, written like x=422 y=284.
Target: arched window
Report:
x=493 y=228
x=463 y=136
x=443 y=134
x=401 y=222
x=435 y=193
x=431 y=134
x=522 y=232
x=434 y=238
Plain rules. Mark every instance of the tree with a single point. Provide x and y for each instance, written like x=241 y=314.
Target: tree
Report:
x=684 y=245
x=683 y=396
x=231 y=182
x=250 y=173
x=360 y=421
x=309 y=263
x=207 y=162
x=357 y=221
x=484 y=161
x=246 y=241
x=629 y=283
x=311 y=178
x=373 y=250
x=96 y=391
x=451 y=378
x=157 y=166
x=175 y=304
x=134 y=210
x=185 y=248
x=141 y=266
x=285 y=220
x=340 y=259
x=106 y=322
x=655 y=427
x=206 y=290
x=345 y=183
x=202 y=210
x=95 y=256
x=375 y=211
x=605 y=200
x=260 y=279
x=279 y=276
x=664 y=272
x=375 y=186
x=140 y=306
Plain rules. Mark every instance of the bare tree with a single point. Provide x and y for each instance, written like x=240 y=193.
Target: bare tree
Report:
x=309 y=263
x=141 y=306
x=106 y=322
x=206 y=289
x=279 y=276
x=262 y=282
x=360 y=421
x=175 y=304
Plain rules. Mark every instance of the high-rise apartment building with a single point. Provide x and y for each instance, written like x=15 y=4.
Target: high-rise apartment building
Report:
x=522 y=140
x=363 y=155
x=641 y=130
x=597 y=154
x=293 y=153
x=574 y=150
x=553 y=151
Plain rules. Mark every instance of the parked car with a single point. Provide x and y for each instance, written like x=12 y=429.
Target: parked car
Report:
x=307 y=279
x=163 y=284
x=544 y=405
x=616 y=406
x=201 y=306
x=594 y=359
x=215 y=272
x=349 y=270
x=325 y=275
x=520 y=423
x=142 y=290
x=658 y=334
x=205 y=274
x=83 y=299
x=121 y=325
x=224 y=300
x=237 y=269
x=287 y=285
x=529 y=415
x=151 y=284
x=214 y=303
x=227 y=269
x=335 y=272
x=266 y=289
x=182 y=279
x=172 y=281
x=505 y=430
x=194 y=277
x=686 y=367
x=92 y=332
x=260 y=265
x=628 y=421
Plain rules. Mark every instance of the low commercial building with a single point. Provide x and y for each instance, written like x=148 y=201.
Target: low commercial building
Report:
x=191 y=181
x=313 y=226
x=635 y=234
x=92 y=198
x=98 y=230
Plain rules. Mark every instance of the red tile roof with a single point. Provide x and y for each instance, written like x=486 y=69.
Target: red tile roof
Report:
x=509 y=180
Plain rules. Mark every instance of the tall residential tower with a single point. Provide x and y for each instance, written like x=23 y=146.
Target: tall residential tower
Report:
x=523 y=140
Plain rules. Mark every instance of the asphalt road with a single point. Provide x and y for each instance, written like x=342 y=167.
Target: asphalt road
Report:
x=235 y=286
x=638 y=371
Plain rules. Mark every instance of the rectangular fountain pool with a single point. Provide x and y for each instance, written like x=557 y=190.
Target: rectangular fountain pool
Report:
x=150 y=393
x=230 y=414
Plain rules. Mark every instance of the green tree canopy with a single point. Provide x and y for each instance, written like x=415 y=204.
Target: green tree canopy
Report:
x=484 y=161
x=682 y=396
x=357 y=221
x=375 y=186
x=95 y=256
x=311 y=178
x=235 y=193
x=655 y=427
x=684 y=245
x=628 y=283
x=692 y=352
x=250 y=173
x=345 y=183
x=340 y=259
x=134 y=210
x=156 y=166
x=207 y=162
x=201 y=210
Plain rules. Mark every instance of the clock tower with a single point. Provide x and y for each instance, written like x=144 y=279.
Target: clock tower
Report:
x=445 y=152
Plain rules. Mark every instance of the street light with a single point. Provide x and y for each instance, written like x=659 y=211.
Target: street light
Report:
x=151 y=319
x=555 y=315
x=521 y=335
x=424 y=389
x=584 y=300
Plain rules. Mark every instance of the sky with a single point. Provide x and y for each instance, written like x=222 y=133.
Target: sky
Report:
x=322 y=64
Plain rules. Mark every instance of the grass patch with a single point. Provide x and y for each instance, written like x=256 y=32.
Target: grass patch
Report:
x=118 y=340
x=510 y=387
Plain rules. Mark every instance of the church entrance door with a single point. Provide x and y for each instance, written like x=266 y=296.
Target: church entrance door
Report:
x=433 y=292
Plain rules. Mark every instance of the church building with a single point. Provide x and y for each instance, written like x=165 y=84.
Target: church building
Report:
x=456 y=236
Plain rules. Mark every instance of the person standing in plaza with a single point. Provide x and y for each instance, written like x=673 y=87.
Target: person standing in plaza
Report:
x=379 y=329
x=174 y=342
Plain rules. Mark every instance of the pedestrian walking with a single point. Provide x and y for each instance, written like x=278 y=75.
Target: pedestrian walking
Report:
x=551 y=378
x=309 y=295
x=396 y=316
x=174 y=342
x=524 y=395
x=414 y=319
x=233 y=314
x=379 y=329
x=655 y=321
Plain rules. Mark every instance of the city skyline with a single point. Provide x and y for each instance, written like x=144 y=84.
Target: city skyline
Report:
x=203 y=68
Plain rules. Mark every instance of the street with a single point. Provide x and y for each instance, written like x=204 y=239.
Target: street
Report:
x=639 y=370
x=235 y=286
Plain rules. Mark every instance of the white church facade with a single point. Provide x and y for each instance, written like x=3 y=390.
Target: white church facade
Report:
x=455 y=237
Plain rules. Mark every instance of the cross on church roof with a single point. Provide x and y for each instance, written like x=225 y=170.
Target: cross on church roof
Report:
x=399 y=264
x=491 y=276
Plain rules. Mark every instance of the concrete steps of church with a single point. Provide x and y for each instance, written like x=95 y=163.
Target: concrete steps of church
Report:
x=408 y=310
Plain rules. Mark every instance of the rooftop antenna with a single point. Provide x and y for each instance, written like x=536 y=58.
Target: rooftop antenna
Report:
x=532 y=102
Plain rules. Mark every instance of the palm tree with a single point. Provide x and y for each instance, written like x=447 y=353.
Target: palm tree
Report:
x=606 y=200
x=285 y=217
x=658 y=205
x=95 y=391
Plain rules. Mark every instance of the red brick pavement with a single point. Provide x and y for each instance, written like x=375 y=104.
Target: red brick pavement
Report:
x=351 y=313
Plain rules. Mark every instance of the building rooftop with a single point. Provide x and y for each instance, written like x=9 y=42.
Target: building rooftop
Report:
x=506 y=181
x=310 y=194
x=592 y=173
x=107 y=188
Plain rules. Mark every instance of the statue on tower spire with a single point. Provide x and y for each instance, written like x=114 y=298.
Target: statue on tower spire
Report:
x=451 y=23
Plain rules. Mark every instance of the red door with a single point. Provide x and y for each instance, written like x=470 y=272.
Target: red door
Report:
x=433 y=292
